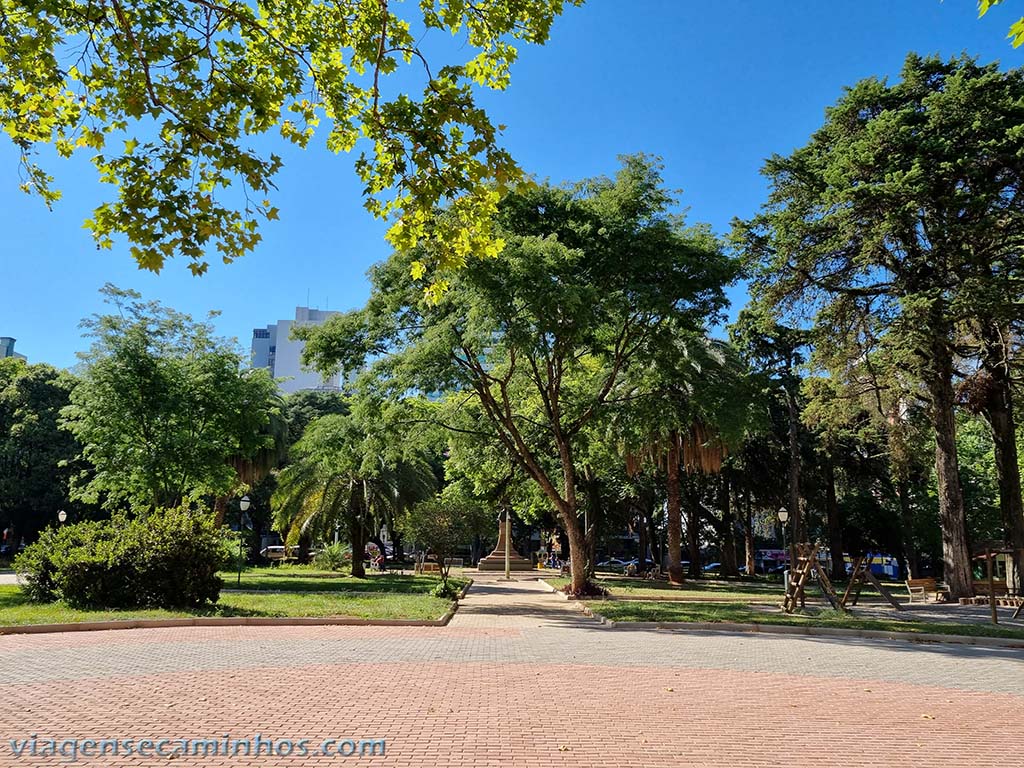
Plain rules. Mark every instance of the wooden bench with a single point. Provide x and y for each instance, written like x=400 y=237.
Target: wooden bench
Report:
x=981 y=588
x=924 y=588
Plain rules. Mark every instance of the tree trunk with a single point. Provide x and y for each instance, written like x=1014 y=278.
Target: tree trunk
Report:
x=998 y=409
x=593 y=511
x=955 y=552
x=675 y=511
x=355 y=531
x=358 y=549
x=834 y=525
x=729 y=565
x=568 y=508
x=577 y=549
x=748 y=534
x=397 y=550
x=798 y=533
x=220 y=506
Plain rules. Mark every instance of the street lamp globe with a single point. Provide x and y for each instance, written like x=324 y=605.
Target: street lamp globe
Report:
x=783 y=515
x=62 y=516
x=244 y=504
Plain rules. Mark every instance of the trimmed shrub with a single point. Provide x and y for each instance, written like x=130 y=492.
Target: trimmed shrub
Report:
x=168 y=559
x=177 y=555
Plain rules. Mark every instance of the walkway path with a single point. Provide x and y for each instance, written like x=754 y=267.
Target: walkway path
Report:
x=520 y=677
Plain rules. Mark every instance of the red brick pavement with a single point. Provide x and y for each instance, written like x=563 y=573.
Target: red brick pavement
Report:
x=518 y=679
x=484 y=714
x=55 y=640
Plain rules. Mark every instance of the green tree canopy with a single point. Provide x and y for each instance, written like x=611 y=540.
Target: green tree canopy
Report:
x=443 y=524
x=594 y=277
x=905 y=207
x=37 y=458
x=170 y=99
x=163 y=409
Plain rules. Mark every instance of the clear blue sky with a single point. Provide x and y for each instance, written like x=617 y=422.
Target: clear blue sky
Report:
x=714 y=87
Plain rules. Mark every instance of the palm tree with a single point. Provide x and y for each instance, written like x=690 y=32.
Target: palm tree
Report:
x=697 y=407
x=341 y=473
x=261 y=450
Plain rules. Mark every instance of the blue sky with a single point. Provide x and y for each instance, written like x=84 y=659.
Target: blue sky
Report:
x=714 y=87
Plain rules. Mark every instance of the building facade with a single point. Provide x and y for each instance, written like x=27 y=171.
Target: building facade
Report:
x=274 y=349
x=7 y=348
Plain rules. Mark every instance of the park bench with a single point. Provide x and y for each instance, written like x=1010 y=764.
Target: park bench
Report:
x=925 y=587
x=981 y=588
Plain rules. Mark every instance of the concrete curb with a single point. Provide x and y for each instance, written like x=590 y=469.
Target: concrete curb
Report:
x=812 y=631
x=666 y=599
x=465 y=589
x=783 y=629
x=671 y=599
x=234 y=621
x=580 y=604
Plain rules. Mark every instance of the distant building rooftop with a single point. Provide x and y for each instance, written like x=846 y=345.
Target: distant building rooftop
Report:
x=274 y=349
x=7 y=348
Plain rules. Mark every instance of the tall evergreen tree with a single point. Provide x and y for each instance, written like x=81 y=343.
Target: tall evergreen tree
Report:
x=907 y=204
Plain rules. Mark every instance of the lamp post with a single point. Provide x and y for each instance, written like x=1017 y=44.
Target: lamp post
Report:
x=783 y=514
x=62 y=517
x=243 y=506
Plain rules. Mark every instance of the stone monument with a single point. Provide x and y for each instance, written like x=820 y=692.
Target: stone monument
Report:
x=496 y=560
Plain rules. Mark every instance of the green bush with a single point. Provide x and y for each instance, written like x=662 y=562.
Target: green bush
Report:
x=446 y=590
x=333 y=557
x=167 y=559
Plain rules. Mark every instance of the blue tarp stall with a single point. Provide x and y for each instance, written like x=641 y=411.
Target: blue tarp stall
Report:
x=883 y=566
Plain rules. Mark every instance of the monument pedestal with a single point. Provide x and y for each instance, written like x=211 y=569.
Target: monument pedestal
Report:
x=496 y=560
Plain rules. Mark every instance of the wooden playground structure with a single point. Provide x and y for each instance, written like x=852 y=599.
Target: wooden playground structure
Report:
x=807 y=562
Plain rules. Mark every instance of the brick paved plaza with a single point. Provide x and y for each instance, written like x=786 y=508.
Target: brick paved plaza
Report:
x=519 y=678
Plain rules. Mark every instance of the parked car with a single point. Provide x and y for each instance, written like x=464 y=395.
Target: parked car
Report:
x=612 y=562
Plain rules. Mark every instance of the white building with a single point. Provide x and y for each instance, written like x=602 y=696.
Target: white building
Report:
x=7 y=348
x=274 y=349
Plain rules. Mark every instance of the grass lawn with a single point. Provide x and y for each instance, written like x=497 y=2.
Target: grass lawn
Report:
x=638 y=610
x=285 y=592
x=739 y=591
x=297 y=578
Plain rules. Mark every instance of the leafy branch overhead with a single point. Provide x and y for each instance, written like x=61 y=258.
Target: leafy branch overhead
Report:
x=1016 y=30
x=169 y=98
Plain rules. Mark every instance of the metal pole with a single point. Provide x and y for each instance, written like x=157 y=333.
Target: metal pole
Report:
x=239 y=583
x=508 y=545
x=991 y=587
x=785 y=572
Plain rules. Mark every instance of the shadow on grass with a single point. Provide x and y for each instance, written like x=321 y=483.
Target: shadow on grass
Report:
x=16 y=609
x=668 y=613
x=293 y=581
